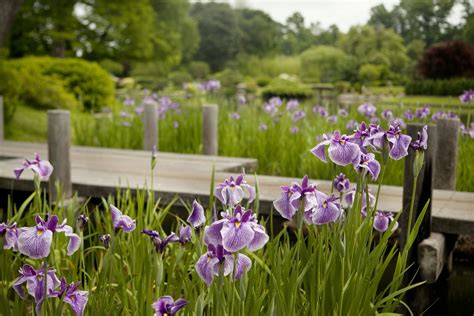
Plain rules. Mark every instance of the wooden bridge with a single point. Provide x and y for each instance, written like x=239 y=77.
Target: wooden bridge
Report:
x=97 y=172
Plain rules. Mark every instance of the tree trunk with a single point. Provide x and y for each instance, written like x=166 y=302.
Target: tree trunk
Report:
x=8 y=10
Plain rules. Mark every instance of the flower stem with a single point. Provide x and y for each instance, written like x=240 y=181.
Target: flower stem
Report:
x=412 y=205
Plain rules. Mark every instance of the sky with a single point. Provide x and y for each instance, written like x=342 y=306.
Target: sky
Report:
x=343 y=13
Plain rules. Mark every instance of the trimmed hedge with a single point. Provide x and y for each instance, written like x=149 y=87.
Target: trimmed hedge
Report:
x=286 y=89
x=448 y=87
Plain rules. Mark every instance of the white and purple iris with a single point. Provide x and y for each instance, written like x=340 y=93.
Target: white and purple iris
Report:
x=291 y=197
x=398 y=142
x=467 y=96
x=368 y=163
x=35 y=284
x=161 y=243
x=367 y=109
x=326 y=210
x=72 y=296
x=218 y=260
x=342 y=151
x=382 y=221
x=421 y=142
x=10 y=236
x=341 y=183
x=166 y=306
x=120 y=221
x=237 y=231
x=42 y=168
x=231 y=192
x=350 y=197
x=35 y=242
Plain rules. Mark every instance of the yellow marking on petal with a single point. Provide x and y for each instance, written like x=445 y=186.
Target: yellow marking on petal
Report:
x=40 y=278
x=232 y=188
x=325 y=204
x=165 y=314
x=342 y=142
x=397 y=136
x=39 y=233
x=365 y=163
x=73 y=298
x=237 y=224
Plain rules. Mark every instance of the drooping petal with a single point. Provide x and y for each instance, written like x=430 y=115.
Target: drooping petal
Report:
x=18 y=172
x=74 y=239
x=327 y=214
x=197 y=217
x=126 y=223
x=343 y=154
x=242 y=265
x=35 y=243
x=180 y=303
x=260 y=238
x=43 y=168
x=236 y=194
x=212 y=233
x=399 y=146
x=287 y=204
x=236 y=236
x=205 y=268
x=319 y=152
x=251 y=191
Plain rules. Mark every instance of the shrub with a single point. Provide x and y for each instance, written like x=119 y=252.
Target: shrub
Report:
x=177 y=78
x=447 y=60
x=199 y=69
x=263 y=81
x=451 y=87
x=370 y=73
x=287 y=89
x=10 y=89
x=86 y=81
x=229 y=80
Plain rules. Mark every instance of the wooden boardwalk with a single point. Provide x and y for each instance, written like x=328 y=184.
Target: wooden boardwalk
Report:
x=99 y=171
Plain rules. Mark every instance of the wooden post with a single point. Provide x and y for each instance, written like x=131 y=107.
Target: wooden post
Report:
x=210 y=118
x=59 y=146
x=2 y=120
x=447 y=154
x=150 y=124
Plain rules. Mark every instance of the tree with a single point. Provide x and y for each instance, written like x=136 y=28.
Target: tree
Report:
x=296 y=36
x=219 y=33
x=259 y=34
x=323 y=64
x=8 y=11
x=448 y=60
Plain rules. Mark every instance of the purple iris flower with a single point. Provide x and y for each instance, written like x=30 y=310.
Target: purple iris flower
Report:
x=185 y=234
x=421 y=142
x=422 y=112
x=213 y=85
x=82 y=221
x=341 y=150
x=10 y=235
x=237 y=231
x=298 y=115
x=292 y=104
x=291 y=197
x=35 y=284
x=349 y=198
x=369 y=163
x=140 y=109
x=263 y=127
x=70 y=294
x=125 y=114
x=343 y=112
x=218 y=259
x=231 y=192
x=341 y=183
x=398 y=142
x=294 y=130
x=467 y=96
x=35 y=242
x=387 y=114
x=234 y=116
x=122 y=221
x=367 y=109
x=361 y=137
x=374 y=120
x=42 y=168
x=160 y=244
x=327 y=210
x=398 y=121
x=166 y=306
x=382 y=221
x=197 y=217
x=270 y=108
x=468 y=131
x=408 y=115
x=105 y=239
x=276 y=101
x=242 y=100
x=332 y=119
